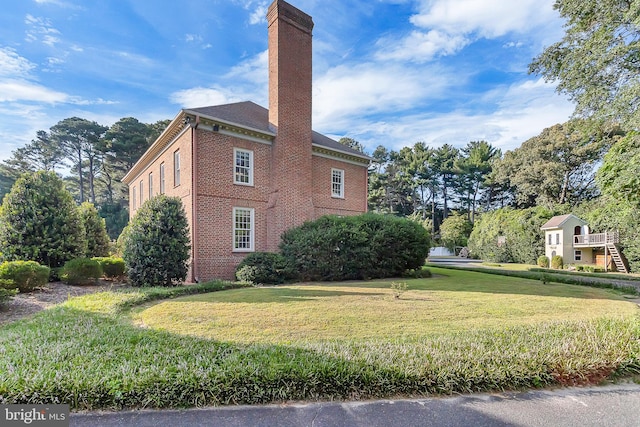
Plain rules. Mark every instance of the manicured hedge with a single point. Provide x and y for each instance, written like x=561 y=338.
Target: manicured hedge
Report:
x=81 y=271
x=25 y=275
x=264 y=268
x=355 y=247
x=112 y=267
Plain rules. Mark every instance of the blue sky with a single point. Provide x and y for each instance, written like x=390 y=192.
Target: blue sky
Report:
x=386 y=72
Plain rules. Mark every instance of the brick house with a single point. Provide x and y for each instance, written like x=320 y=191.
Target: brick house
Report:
x=246 y=174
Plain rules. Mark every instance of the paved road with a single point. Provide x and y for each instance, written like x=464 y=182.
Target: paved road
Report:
x=616 y=405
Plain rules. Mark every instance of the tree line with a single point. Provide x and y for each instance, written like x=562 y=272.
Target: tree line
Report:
x=92 y=158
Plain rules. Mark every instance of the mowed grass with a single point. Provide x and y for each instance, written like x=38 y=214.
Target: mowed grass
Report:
x=458 y=332
x=451 y=302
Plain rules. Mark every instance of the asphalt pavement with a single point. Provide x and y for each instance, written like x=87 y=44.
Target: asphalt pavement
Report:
x=612 y=405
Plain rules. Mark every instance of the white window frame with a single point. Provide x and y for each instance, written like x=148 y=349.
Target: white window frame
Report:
x=340 y=193
x=162 y=178
x=150 y=184
x=237 y=169
x=577 y=255
x=251 y=230
x=141 y=192
x=176 y=168
x=557 y=238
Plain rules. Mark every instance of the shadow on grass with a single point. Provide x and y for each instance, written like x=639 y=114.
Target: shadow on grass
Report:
x=460 y=280
x=91 y=361
x=282 y=294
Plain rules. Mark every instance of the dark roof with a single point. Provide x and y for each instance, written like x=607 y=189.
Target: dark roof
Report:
x=250 y=115
x=557 y=221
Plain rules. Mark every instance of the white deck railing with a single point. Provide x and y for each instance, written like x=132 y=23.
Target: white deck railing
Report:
x=598 y=239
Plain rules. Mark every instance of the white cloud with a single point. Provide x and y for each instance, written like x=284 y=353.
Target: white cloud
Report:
x=522 y=111
x=259 y=14
x=21 y=90
x=59 y=3
x=192 y=38
x=345 y=92
x=41 y=29
x=12 y=64
x=421 y=46
x=254 y=70
x=203 y=96
x=488 y=18
x=444 y=27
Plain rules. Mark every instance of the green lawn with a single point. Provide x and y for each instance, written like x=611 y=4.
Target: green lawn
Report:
x=458 y=302
x=456 y=332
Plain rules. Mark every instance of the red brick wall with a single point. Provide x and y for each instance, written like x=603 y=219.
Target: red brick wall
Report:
x=218 y=195
x=355 y=188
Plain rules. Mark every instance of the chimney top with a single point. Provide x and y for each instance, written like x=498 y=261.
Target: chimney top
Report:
x=280 y=9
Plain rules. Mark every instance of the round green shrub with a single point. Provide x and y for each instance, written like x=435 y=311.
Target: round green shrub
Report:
x=112 y=267
x=543 y=261
x=81 y=271
x=355 y=247
x=264 y=268
x=156 y=243
x=25 y=275
x=95 y=231
x=39 y=221
x=556 y=262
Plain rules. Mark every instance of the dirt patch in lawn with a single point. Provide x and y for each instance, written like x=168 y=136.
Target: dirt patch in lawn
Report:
x=26 y=304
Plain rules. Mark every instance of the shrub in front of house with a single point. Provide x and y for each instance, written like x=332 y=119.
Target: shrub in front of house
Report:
x=264 y=268
x=355 y=247
x=95 y=231
x=112 y=267
x=543 y=261
x=25 y=275
x=156 y=243
x=556 y=262
x=81 y=271
x=39 y=221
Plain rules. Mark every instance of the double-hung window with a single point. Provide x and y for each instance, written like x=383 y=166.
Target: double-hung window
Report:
x=141 y=193
x=176 y=168
x=243 y=166
x=150 y=184
x=577 y=255
x=337 y=183
x=243 y=229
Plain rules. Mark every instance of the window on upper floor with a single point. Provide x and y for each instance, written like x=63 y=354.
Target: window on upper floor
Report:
x=243 y=229
x=243 y=166
x=150 y=184
x=133 y=197
x=141 y=193
x=162 y=178
x=557 y=238
x=176 y=168
x=337 y=183
x=549 y=239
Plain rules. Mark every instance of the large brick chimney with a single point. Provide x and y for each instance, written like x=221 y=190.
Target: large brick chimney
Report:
x=290 y=75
